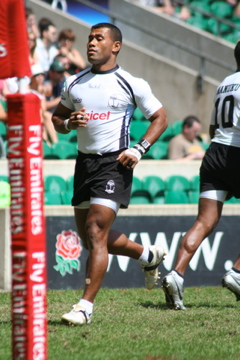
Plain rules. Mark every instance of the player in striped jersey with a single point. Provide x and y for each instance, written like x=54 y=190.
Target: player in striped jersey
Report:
x=99 y=103
x=219 y=181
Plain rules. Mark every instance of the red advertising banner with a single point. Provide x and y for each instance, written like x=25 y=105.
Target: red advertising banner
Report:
x=13 y=40
x=29 y=323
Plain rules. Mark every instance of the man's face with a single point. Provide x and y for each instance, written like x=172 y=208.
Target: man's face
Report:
x=51 y=34
x=192 y=132
x=101 y=47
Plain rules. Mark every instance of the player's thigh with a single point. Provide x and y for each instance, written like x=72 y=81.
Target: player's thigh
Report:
x=99 y=219
x=209 y=212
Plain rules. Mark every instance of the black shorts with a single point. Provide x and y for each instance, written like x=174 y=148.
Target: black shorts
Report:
x=101 y=176
x=220 y=170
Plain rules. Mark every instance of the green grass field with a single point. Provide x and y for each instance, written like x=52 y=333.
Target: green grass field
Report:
x=134 y=324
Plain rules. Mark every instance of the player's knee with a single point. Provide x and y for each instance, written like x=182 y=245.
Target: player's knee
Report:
x=94 y=233
x=207 y=225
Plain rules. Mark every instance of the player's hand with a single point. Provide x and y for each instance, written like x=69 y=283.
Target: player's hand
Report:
x=129 y=158
x=78 y=119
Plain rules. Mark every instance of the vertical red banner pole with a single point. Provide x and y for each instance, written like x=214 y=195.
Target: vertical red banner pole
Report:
x=29 y=323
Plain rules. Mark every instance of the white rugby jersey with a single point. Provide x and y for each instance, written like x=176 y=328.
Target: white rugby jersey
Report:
x=110 y=98
x=226 y=113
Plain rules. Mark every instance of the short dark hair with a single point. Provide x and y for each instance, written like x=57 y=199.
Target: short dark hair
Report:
x=189 y=120
x=237 y=55
x=115 y=31
x=44 y=24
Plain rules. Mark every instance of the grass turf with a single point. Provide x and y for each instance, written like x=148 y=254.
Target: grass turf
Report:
x=134 y=324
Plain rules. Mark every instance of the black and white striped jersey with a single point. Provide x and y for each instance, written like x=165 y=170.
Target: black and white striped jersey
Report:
x=226 y=113
x=110 y=98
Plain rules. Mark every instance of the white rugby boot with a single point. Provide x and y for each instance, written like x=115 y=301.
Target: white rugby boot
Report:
x=77 y=316
x=231 y=280
x=173 y=290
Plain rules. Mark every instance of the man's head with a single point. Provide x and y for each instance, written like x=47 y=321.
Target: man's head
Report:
x=191 y=127
x=237 y=55
x=104 y=43
x=48 y=31
x=114 y=30
x=56 y=72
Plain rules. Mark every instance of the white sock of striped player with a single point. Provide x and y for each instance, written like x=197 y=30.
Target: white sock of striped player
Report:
x=179 y=277
x=146 y=256
x=87 y=305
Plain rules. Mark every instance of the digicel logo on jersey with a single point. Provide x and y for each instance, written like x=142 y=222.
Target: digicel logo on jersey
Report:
x=98 y=116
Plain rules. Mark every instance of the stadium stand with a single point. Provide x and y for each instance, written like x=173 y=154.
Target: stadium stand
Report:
x=177 y=183
x=3 y=130
x=176 y=197
x=194 y=183
x=154 y=185
x=138 y=115
x=64 y=150
x=51 y=198
x=69 y=182
x=67 y=197
x=4 y=178
x=138 y=128
x=54 y=184
x=193 y=197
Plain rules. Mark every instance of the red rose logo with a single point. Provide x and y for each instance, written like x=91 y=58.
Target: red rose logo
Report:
x=67 y=253
x=68 y=245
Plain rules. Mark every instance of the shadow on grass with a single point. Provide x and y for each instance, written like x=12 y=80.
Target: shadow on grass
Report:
x=210 y=306
x=150 y=304
x=162 y=306
x=56 y=323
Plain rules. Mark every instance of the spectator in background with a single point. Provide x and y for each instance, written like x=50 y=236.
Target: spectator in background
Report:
x=46 y=48
x=31 y=22
x=66 y=40
x=32 y=43
x=236 y=4
x=169 y=7
x=56 y=78
x=37 y=87
x=63 y=60
x=186 y=146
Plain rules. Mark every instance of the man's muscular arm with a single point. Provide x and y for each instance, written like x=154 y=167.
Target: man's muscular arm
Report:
x=64 y=120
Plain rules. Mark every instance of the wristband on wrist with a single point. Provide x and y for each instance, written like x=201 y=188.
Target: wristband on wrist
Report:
x=135 y=152
x=66 y=125
x=139 y=148
x=144 y=144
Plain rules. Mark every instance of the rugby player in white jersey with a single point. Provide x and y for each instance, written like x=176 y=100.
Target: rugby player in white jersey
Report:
x=99 y=103
x=219 y=181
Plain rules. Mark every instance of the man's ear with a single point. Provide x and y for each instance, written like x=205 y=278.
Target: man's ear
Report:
x=116 y=46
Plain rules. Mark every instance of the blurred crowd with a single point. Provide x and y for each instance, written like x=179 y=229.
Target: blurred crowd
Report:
x=178 y=9
x=53 y=58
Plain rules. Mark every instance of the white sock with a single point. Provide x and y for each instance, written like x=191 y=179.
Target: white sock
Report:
x=179 y=278
x=87 y=305
x=143 y=259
